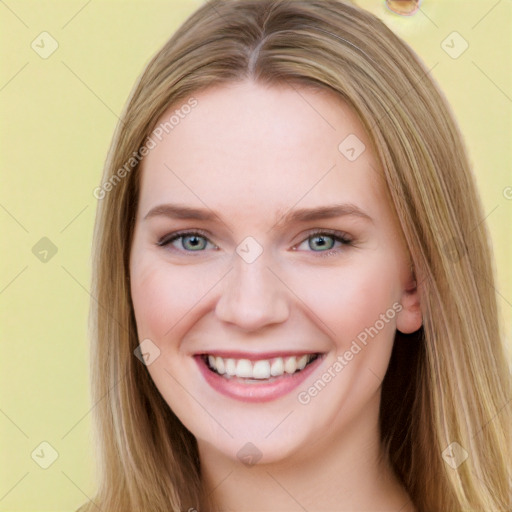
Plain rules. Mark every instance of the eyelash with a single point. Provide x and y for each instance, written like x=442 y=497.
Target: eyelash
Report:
x=336 y=235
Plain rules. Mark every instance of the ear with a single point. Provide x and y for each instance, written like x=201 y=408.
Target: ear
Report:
x=409 y=319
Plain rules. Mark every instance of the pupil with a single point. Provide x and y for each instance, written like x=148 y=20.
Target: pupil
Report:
x=322 y=240
x=193 y=241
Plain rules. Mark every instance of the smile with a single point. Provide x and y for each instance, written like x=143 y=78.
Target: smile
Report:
x=259 y=369
x=256 y=378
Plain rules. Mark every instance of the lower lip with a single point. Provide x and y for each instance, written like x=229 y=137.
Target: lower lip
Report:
x=255 y=391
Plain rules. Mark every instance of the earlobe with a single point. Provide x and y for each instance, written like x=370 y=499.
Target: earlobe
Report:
x=409 y=319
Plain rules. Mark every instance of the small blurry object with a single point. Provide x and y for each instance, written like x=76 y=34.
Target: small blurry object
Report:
x=403 y=7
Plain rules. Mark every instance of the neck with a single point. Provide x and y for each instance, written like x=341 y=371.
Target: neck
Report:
x=334 y=472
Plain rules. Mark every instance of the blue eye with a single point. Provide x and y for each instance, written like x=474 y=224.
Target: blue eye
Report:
x=326 y=240
x=197 y=241
x=191 y=241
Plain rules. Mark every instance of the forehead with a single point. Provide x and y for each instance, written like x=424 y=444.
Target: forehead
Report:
x=245 y=143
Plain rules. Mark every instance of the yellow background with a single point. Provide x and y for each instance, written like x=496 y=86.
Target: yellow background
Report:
x=57 y=118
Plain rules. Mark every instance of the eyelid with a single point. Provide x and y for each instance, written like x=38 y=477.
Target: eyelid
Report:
x=325 y=231
x=171 y=237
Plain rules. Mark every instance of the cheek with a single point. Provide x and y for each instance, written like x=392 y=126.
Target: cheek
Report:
x=356 y=303
x=351 y=298
x=162 y=296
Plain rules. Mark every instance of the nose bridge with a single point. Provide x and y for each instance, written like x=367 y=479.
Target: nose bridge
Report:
x=252 y=296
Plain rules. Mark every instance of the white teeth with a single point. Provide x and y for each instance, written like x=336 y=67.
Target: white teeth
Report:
x=219 y=364
x=277 y=367
x=261 y=369
x=244 y=368
x=290 y=365
x=301 y=363
x=230 y=366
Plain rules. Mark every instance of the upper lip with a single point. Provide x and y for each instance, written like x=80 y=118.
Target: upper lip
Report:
x=254 y=356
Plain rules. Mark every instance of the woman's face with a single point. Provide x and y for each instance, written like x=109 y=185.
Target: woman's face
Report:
x=289 y=255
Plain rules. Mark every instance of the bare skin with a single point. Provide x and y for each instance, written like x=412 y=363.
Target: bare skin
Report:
x=254 y=154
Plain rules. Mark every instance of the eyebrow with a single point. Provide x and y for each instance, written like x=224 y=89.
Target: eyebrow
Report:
x=179 y=211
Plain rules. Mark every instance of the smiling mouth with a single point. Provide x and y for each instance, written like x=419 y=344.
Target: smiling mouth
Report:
x=266 y=370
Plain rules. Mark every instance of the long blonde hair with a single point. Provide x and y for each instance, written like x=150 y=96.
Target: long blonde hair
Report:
x=448 y=382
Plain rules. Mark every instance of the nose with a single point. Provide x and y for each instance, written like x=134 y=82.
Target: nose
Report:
x=252 y=296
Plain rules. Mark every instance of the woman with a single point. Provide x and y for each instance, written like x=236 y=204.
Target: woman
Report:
x=236 y=367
